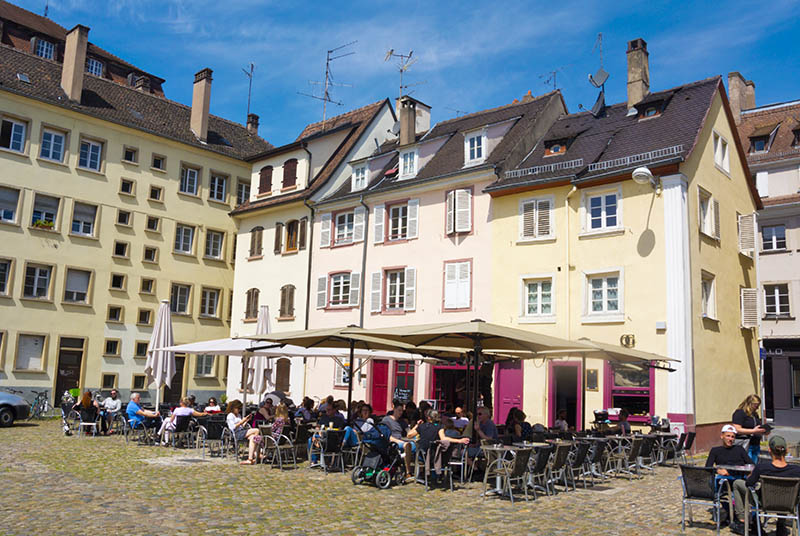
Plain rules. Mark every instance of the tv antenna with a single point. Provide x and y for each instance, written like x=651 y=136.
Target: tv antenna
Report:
x=458 y=112
x=405 y=63
x=249 y=75
x=46 y=7
x=599 y=79
x=329 y=83
x=550 y=77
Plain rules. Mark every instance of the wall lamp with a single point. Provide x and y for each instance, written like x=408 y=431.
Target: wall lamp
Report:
x=642 y=175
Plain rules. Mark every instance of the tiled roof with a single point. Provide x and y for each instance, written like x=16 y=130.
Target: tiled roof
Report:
x=762 y=121
x=601 y=145
x=126 y=106
x=45 y=26
x=356 y=121
x=789 y=199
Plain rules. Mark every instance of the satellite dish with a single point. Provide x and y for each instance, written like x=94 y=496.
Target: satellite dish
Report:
x=395 y=128
x=388 y=54
x=599 y=78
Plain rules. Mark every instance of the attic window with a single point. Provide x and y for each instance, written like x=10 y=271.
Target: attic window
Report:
x=555 y=147
x=796 y=140
x=22 y=77
x=44 y=49
x=759 y=144
x=94 y=67
x=651 y=109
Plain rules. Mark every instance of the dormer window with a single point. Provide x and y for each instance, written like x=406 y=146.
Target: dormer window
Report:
x=44 y=49
x=759 y=144
x=796 y=140
x=94 y=67
x=555 y=147
x=408 y=164
x=359 y=178
x=649 y=109
x=474 y=147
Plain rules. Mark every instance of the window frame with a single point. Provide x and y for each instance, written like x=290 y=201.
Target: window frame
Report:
x=400 y=304
x=285 y=179
x=42 y=358
x=160 y=190
x=127 y=254
x=774 y=239
x=457 y=306
x=6 y=291
x=721 y=145
x=604 y=316
x=256 y=250
x=212 y=368
x=389 y=208
x=16 y=121
x=123 y=287
x=82 y=223
x=162 y=158
x=15 y=220
x=147 y=248
x=143 y=388
x=708 y=295
x=48 y=296
x=344 y=290
x=188 y=304
x=152 y=290
x=252 y=297
x=136 y=354
x=479 y=134
x=363 y=171
x=221 y=247
x=119 y=319
x=335 y=224
x=537 y=236
x=217 y=306
x=184 y=179
x=287 y=294
x=149 y=321
x=265 y=176
x=180 y=229
x=122 y=182
x=124 y=215
x=213 y=187
x=114 y=382
x=148 y=228
x=287 y=246
x=91 y=143
x=56 y=215
x=538 y=318
x=776 y=295
x=48 y=49
x=135 y=150
x=586 y=211
x=402 y=173
x=91 y=63
x=64 y=144
x=242 y=187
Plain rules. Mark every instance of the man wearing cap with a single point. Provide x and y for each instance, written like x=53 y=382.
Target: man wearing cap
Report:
x=728 y=453
x=777 y=467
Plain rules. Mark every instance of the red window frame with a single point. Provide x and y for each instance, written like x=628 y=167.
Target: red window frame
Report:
x=621 y=393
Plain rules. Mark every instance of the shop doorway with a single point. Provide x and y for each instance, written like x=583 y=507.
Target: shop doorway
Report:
x=564 y=392
x=380 y=385
x=508 y=386
x=449 y=387
x=172 y=394
x=70 y=357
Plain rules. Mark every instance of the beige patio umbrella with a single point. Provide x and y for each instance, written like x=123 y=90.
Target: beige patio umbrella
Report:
x=160 y=365
x=259 y=365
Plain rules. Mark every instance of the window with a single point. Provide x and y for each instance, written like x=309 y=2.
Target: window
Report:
x=145 y=317
x=109 y=381
x=179 y=299
x=123 y=218
x=153 y=224
x=459 y=211
x=112 y=347
x=45 y=210
x=12 y=135
x=44 y=48
x=359 y=178
x=398 y=222
x=283 y=370
x=76 y=289
x=138 y=383
x=218 y=188
x=150 y=254
x=344 y=228
x=404 y=377
x=256 y=238
x=555 y=147
x=796 y=138
x=721 y=156
x=83 y=218
x=773 y=237
x=292 y=232
x=188 y=184
x=94 y=67
x=130 y=155
x=536 y=218
x=287 y=301
x=30 y=352
x=90 y=155
x=395 y=289
x=265 y=180
x=184 y=239
x=140 y=350
x=759 y=144
x=474 y=147
x=776 y=300
x=289 y=174
x=159 y=162
x=408 y=164
x=708 y=295
x=126 y=186
x=340 y=290
x=251 y=306
x=242 y=192
x=602 y=212
x=630 y=388
x=147 y=285
x=121 y=249
x=37 y=281
x=709 y=214
x=205 y=365
x=457 y=285
x=337 y=290
x=155 y=193
x=118 y=281
x=214 y=244
x=341 y=374
x=52 y=147
x=5 y=276
x=537 y=298
x=209 y=302
x=114 y=314
x=604 y=295
x=9 y=201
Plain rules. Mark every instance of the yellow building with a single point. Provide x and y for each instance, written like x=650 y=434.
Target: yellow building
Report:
x=630 y=225
x=112 y=198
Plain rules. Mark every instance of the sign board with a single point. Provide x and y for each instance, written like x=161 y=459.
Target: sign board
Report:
x=677 y=428
x=403 y=395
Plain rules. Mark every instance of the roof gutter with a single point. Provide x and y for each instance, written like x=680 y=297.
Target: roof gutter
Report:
x=363 y=262
x=310 y=237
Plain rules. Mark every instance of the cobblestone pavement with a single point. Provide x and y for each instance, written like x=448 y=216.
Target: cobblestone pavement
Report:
x=64 y=485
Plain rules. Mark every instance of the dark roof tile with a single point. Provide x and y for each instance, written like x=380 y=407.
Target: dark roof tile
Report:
x=757 y=122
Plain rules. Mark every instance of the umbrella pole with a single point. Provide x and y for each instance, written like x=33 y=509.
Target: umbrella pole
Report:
x=583 y=391
x=350 y=379
x=474 y=401
x=468 y=383
x=245 y=373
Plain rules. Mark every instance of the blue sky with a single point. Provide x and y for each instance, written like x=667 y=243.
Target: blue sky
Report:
x=472 y=55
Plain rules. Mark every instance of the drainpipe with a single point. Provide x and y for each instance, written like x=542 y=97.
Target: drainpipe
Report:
x=363 y=262
x=310 y=249
x=566 y=207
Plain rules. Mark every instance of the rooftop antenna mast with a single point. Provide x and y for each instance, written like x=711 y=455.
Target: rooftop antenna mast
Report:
x=249 y=75
x=550 y=78
x=405 y=63
x=598 y=80
x=329 y=83
x=457 y=111
x=46 y=7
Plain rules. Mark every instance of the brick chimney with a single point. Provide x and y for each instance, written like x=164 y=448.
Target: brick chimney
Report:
x=638 y=71
x=750 y=95
x=201 y=101
x=74 y=62
x=252 y=124
x=741 y=94
x=414 y=116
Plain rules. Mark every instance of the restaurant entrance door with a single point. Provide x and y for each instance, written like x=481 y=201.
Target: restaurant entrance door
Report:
x=380 y=385
x=70 y=355
x=449 y=386
x=172 y=394
x=564 y=392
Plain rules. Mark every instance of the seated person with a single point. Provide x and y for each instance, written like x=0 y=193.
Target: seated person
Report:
x=561 y=423
x=324 y=404
x=192 y=401
x=331 y=419
x=431 y=431
x=87 y=407
x=726 y=454
x=305 y=412
x=238 y=426
x=281 y=421
x=460 y=421
x=485 y=429
x=362 y=422
x=777 y=467
x=184 y=410
x=450 y=430
x=141 y=417
x=212 y=406
x=265 y=413
x=623 y=427
x=398 y=426
x=111 y=406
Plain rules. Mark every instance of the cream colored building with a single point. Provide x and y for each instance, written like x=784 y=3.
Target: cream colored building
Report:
x=112 y=198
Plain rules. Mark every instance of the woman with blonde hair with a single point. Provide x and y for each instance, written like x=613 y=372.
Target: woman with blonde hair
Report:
x=236 y=424
x=748 y=432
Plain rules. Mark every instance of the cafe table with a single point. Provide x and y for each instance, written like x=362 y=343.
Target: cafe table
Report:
x=501 y=451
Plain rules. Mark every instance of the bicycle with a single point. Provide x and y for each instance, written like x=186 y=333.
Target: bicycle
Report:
x=41 y=405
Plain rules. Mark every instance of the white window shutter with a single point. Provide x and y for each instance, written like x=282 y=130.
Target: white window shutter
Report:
x=450 y=285
x=413 y=218
x=375 y=292
x=451 y=210
x=411 y=289
x=464 y=287
x=528 y=215
x=325 y=232
x=379 y=214
x=355 y=288
x=749 y=301
x=463 y=211
x=747 y=234
x=715 y=209
x=358 y=224
x=322 y=292
x=543 y=212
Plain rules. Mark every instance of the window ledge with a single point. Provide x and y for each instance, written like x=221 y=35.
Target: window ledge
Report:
x=709 y=318
x=289 y=188
x=456 y=309
x=250 y=320
x=144 y=325
x=285 y=318
x=115 y=356
x=393 y=312
x=473 y=163
x=259 y=195
x=778 y=317
x=44 y=229
x=708 y=236
x=129 y=162
x=346 y=307
x=76 y=304
x=159 y=170
x=603 y=319
x=121 y=257
x=255 y=257
x=544 y=319
x=184 y=315
x=215 y=259
x=344 y=244
x=127 y=194
x=184 y=254
x=85 y=237
x=209 y=317
x=722 y=170
x=9 y=223
x=116 y=321
x=292 y=252
x=190 y=194
x=145 y=261
x=124 y=225
x=5 y=295
x=775 y=251
x=616 y=231
x=537 y=240
x=28 y=371
x=154 y=231
x=225 y=204
x=159 y=201
x=52 y=162
x=89 y=170
x=22 y=154
x=36 y=300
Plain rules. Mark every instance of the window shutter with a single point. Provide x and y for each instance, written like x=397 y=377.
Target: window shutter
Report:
x=355 y=288
x=543 y=218
x=322 y=292
x=463 y=211
x=716 y=218
x=749 y=300
x=411 y=289
x=747 y=234
x=282 y=312
x=380 y=214
x=413 y=212
x=278 y=238
x=375 y=292
x=528 y=229
x=290 y=300
x=265 y=180
x=301 y=233
x=463 y=284
x=358 y=224
x=77 y=281
x=451 y=211
x=325 y=232
x=450 y=285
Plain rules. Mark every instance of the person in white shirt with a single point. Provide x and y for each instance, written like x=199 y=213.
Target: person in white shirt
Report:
x=561 y=423
x=110 y=407
x=238 y=426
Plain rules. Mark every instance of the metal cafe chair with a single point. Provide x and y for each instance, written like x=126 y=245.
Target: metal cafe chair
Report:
x=699 y=489
x=780 y=499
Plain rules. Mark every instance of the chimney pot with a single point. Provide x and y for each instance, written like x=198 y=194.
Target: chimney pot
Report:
x=638 y=71
x=201 y=102
x=737 y=95
x=414 y=116
x=252 y=123
x=74 y=62
x=750 y=94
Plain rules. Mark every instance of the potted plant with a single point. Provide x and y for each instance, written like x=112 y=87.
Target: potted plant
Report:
x=43 y=224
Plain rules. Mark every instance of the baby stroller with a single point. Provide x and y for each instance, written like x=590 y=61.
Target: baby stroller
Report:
x=67 y=413
x=382 y=462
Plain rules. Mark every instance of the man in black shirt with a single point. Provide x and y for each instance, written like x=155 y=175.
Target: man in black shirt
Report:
x=727 y=453
x=778 y=467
